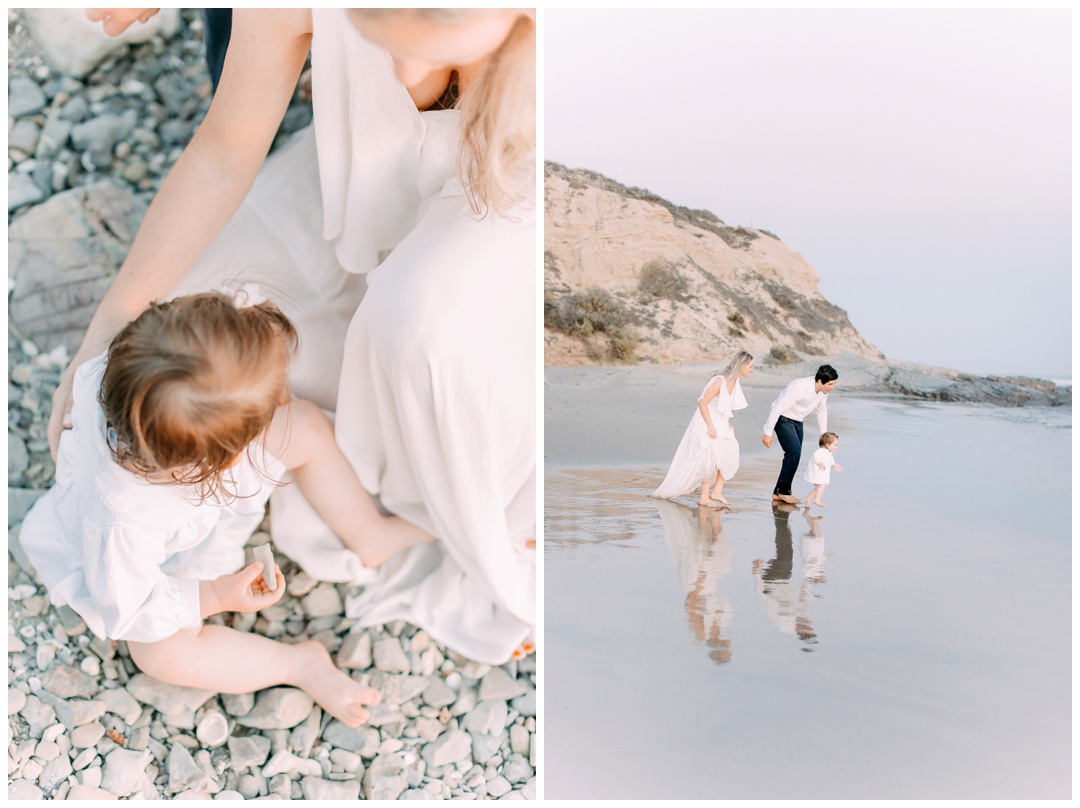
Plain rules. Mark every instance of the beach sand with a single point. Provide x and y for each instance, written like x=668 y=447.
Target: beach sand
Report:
x=909 y=640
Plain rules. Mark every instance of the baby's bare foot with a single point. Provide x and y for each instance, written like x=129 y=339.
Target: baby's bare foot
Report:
x=333 y=690
x=819 y=503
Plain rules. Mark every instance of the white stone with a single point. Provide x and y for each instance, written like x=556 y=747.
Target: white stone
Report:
x=390 y=656
x=16 y=700
x=497 y=684
x=316 y=788
x=21 y=789
x=123 y=772
x=74 y=45
x=451 y=747
x=278 y=708
x=121 y=703
x=84 y=792
x=87 y=735
x=213 y=729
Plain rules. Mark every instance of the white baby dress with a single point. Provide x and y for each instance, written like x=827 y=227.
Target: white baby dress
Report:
x=814 y=473
x=128 y=554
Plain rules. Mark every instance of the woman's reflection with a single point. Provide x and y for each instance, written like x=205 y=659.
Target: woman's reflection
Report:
x=786 y=606
x=701 y=552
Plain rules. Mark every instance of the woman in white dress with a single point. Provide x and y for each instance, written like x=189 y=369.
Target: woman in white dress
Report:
x=413 y=192
x=709 y=453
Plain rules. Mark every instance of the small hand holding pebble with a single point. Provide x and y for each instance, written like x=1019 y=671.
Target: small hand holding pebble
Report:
x=246 y=591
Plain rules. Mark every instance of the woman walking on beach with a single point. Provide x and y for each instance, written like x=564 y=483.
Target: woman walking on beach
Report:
x=403 y=251
x=709 y=453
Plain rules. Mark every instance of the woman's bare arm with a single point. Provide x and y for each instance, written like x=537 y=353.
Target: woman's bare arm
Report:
x=209 y=181
x=703 y=405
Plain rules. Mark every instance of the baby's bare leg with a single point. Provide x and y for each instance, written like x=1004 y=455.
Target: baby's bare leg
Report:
x=228 y=661
x=329 y=482
x=819 y=489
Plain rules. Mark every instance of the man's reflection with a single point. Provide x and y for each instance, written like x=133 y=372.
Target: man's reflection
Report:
x=786 y=606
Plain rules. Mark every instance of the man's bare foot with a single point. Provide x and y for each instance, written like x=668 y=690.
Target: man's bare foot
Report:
x=333 y=689
x=391 y=535
x=790 y=500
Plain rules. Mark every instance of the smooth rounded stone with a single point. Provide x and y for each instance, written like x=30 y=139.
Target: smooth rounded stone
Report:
x=498 y=685
x=22 y=190
x=44 y=655
x=251 y=750
x=21 y=789
x=355 y=650
x=123 y=772
x=238 y=704
x=278 y=708
x=323 y=601
x=98 y=136
x=386 y=778
x=25 y=97
x=487 y=717
x=90 y=665
x=54 y=136
x=84 y=759
x=134 y=172
x=24 y=136
x=16 y=700
x=250 y=786
x=121 y=703
x=228 y=794
x=213 y=729
x=519 y=739
x=53 y=773
x=316 y=788
x=167 y=699
x=438 y=693
x=281 y=786
x=75 y=110
x=390 y=657
x=450 y=747
x=87 y=735
x=31 y=770
x=84 y=792
x=18 y=456
x=47 y=750
x=364 y=741
x=90 y=777
x=347 y=760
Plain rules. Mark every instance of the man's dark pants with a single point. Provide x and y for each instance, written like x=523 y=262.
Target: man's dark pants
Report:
x=789 y=433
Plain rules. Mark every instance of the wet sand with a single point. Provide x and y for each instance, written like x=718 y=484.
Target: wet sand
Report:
x=909 y=640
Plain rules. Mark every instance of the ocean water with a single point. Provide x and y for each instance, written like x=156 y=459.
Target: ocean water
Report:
x=912 y=639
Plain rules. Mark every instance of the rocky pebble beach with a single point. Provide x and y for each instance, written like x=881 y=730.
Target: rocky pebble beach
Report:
x=86 y=154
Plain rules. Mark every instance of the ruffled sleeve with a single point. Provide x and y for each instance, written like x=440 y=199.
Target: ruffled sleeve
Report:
x=708 y=384
x=738 y=400
x=135 y=599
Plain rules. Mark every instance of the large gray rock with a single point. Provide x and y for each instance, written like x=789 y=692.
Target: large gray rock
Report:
x=74 y=46
x=278 y=708
x=166 y=698
x=386 y=778
x=124 y=772
x=25 y=97
x=62 y=256
x=316 y=788
x=450 y=747
x=22 y=190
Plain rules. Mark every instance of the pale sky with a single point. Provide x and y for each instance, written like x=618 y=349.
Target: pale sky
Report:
x=920 y=160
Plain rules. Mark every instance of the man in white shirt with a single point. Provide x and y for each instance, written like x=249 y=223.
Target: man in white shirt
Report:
x=798 y=400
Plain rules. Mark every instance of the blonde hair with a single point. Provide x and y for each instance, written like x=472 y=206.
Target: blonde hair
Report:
x=737 y=363
x=495 y=160
x=827 y=438
x=190 y=383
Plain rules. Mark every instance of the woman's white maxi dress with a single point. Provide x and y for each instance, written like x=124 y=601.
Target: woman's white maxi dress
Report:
x=417 y=322
x=699 y=457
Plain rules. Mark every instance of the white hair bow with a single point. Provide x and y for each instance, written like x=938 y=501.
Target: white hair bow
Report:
x=247 y=295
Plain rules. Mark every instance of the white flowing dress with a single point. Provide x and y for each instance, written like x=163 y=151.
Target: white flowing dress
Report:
x=128 y=554
x=699 y=457
x=417 y=324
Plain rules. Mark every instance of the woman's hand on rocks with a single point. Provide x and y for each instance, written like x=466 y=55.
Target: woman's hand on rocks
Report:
x=60 y=417
x=117 y=20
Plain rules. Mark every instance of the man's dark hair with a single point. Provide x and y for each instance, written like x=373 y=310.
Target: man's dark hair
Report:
x=826 y=374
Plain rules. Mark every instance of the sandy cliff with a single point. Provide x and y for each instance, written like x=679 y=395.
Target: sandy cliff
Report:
x=632 y=277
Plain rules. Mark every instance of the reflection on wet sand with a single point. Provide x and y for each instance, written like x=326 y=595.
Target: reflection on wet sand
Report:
x=701 y=552
x=787 y=606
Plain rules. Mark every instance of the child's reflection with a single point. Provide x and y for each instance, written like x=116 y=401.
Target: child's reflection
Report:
x=786 y=606
x=701 y=552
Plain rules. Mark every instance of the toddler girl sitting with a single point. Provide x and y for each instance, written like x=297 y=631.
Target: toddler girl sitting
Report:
x=179 y=433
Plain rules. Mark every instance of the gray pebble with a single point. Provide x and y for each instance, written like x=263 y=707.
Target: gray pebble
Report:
x=25 y=97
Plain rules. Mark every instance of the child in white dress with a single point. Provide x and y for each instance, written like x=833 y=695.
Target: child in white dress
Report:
x=817 y=472
x=178 y=435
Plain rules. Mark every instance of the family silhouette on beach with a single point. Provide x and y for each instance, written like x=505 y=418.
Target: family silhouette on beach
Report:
x=708 y=454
